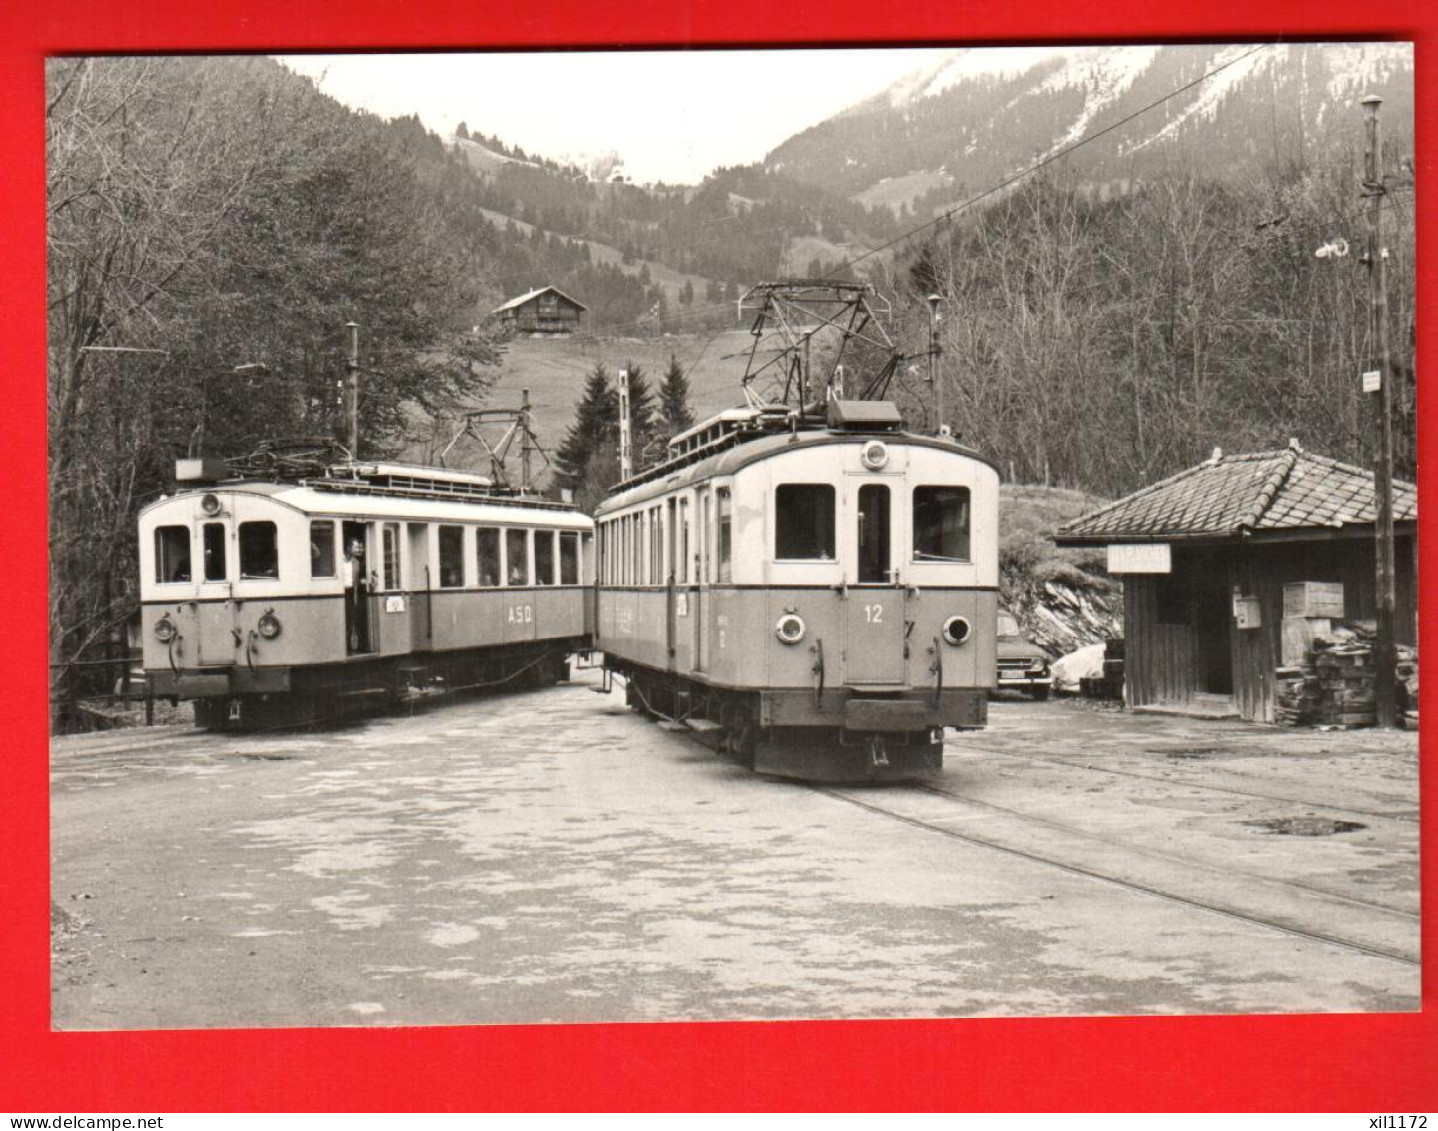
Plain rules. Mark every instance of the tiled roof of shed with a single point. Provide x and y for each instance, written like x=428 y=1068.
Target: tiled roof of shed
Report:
x=1288 y=489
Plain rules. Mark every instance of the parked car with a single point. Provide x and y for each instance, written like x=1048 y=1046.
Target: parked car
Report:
x=1023 y=665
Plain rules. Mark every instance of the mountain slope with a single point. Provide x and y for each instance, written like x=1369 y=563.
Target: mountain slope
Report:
x=956 y=128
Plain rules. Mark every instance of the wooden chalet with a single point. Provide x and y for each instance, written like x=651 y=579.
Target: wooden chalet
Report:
x=545 y=313
x=1205 y=557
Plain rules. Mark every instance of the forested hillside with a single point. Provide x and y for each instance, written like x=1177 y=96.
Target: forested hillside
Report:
x=213 y=224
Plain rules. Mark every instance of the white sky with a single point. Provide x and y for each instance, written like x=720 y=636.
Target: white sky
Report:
x=672 y=115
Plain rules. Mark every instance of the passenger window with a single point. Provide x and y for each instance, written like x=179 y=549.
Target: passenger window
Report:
x=544 y=557
x=941 y=524
x=569 y=558
x=516 y=550
x=451 y=557
x=259 y=550
x=681 y=567
x=172 y=553
x=804 y=522
x=486 y=541
x=874 y=534
x=214 y=551
x=725 y=549
x=391 y=555
x=322 y=549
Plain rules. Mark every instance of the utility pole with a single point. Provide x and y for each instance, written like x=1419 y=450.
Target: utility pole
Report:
x=526 y=440
x=626 y=456
x=940 y=428
x=352 y=392
x=1377 y=259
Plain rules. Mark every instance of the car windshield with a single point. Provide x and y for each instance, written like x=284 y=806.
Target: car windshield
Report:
x=1007 y=625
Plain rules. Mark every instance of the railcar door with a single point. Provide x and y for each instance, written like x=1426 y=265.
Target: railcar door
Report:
x=421 y=582
x=700 y=591
x=875 y=607
x=671 y=583
x=355 y=570
x=218 y=636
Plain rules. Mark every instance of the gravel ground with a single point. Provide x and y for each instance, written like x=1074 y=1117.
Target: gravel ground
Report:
x=551 y=857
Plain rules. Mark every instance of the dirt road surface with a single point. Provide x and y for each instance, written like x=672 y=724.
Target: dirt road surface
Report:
x=551 y=857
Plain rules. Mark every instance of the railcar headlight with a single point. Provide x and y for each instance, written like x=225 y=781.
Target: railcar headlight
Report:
x=956 y=630
x=269 y=625
x=165 y=629
x=874 y=455
x=210 y=504
x=789 y=628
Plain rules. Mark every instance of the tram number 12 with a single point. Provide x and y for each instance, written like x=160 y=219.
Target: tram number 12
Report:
x=521 y=614
x=874 y=614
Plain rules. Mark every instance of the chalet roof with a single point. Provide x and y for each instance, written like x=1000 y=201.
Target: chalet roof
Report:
x=522 y=299
x=1226 y=496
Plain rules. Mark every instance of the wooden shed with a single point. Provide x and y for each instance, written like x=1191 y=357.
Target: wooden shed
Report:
x=547 y=312
x=1205 y=557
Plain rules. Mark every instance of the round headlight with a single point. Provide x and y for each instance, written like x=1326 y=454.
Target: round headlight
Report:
x=789 y=628
x=874 y=455
x=956 y=630
x=269 y=625
x=210 y=504
x=165 y=629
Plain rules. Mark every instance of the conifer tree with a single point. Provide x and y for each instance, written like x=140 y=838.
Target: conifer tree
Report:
x=675 y=415
x=595 y=428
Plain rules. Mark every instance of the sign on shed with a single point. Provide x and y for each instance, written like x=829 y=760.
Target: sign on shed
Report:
x=1140 y=557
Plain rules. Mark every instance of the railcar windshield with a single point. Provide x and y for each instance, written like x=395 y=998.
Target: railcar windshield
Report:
x=941 y=524
x=322 y=548
x=259 y=550
x=804 y=522
x=172 y=553
x=214 y=551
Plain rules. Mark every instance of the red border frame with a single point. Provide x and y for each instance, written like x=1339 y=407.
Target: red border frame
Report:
x=1375 y=1063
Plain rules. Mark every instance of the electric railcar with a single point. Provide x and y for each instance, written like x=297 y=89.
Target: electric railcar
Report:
x=821 y=600
x=277 y=602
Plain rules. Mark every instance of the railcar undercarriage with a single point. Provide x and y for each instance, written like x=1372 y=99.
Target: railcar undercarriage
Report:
x=233 y=699
x=838 y=734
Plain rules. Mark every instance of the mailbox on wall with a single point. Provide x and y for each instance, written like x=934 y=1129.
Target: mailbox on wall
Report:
x=1247 y=612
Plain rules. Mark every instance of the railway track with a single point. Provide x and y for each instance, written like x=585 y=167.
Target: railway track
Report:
x=1300 y=904
x=1189 y=782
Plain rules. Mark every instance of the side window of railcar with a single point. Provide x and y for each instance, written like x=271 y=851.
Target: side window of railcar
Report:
x=544 y=557
x=391 y=555
x=681 y=564
x=213 y=550
x=259 y=550
x=172 y=553
x=486 y=542
x=516 y=549
x=569 y=557
x=451 y=557
x=941 y=524
x=322 y=548
x=804 y=522
x=724 y=507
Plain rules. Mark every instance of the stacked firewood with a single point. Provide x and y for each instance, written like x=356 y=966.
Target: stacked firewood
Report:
x=1298 y=695
x=1334 y=686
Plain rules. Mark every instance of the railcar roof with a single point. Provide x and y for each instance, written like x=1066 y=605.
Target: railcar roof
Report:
x=749 y=452
x=341 y=504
